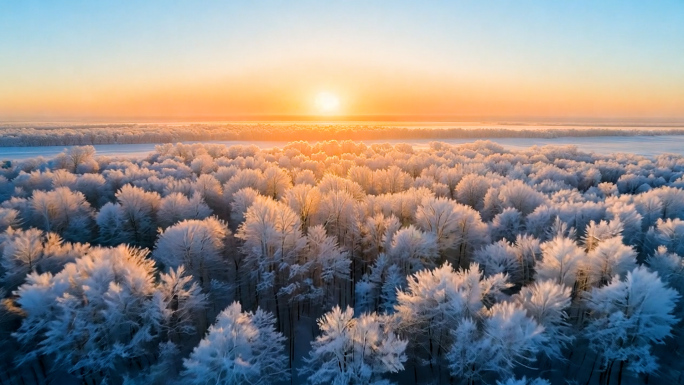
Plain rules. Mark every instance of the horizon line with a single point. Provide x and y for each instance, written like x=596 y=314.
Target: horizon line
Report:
x=360 y=119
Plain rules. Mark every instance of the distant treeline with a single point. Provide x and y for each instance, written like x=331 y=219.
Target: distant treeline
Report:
x=54 y=135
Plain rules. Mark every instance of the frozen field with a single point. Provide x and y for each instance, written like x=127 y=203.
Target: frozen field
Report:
x=640 y=145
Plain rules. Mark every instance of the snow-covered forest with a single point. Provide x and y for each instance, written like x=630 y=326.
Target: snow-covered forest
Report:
x=342 y=263
x=52 y=134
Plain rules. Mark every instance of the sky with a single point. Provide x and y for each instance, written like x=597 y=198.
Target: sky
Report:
x=414 y=60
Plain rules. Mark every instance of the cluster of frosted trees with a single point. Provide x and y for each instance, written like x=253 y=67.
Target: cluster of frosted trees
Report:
x=342 y=263
x=89 y=134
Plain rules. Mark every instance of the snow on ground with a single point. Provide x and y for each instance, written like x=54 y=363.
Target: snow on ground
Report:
x=604 y=145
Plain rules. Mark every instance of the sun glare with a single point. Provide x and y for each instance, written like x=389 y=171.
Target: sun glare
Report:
x=327 y=103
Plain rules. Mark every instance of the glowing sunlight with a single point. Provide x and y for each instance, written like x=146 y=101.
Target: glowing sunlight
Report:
x=327 y=103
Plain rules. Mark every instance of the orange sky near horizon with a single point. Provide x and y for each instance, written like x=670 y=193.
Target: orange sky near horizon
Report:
x=368 y=93
x=116 y=62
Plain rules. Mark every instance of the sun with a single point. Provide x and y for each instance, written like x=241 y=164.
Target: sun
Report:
x=327 y=103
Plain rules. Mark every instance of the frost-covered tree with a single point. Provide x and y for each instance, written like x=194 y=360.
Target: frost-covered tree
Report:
x=211 y=191
x=276 y=182
x=240 y=348
x=500 y=257
x=471 y=233
x=394 y=280
x=243 y=178
x=610 y=257
x=25 y=251
x=78 y=159
x=520 y=196
x=326 y=264
x=437 y=300
x=541 y=221
x=528 y=252
x=354 y=351
x=339 y=212
x=241 y=201
x=524 y=381
x=94 y=188
x=395 y=180
x=176 y=207
x=630 y=219
x=110 y=223
x=196 y=244
x=304 y=177
x=547 y=302
x=64 y=212
x=507 y=225
x=305 y=200
x=203 y=164
x=378 y=281
x=561 y=261
x=21 y=253
x=364 y=177
x=598 y=232
x=672 y=201
x=183 y=304
x=627 y=317
x=331 y=183
x=504 y=339
x=272 y=239
x=651 y=209
x=668 y=233
x=8 y=218
x=377 y=233
x=437 y=216
x=450 y=176
x=133 y=220
x=471 y=191
x=669 y=266
x=455 y=226
x=27 y=182
x=413 y=250
x=96 y=318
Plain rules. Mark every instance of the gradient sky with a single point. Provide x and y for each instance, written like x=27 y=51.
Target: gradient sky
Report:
x=123 y=59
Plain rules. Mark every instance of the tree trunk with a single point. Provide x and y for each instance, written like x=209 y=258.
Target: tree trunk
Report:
x=591 y=373
x=622 y=365
x=610 y=370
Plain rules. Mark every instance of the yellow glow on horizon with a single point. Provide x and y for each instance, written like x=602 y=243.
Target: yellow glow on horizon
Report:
x=332 y=89
x=327 y=103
